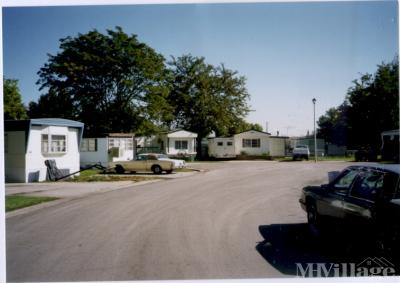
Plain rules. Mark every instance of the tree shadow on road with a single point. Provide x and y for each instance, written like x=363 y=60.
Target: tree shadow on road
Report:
x=286 y=245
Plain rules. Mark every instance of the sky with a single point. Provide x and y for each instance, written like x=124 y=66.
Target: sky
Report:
x=289 y=53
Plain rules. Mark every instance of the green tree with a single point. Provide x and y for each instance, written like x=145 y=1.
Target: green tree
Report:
x=373 y=106
x=111 y=82
x=332 y=126
x=14 y=109
x=254 y=126
x=206 y=98
x=242 y=126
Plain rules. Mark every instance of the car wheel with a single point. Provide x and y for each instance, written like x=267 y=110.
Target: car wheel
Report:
x=156 y=169
x=119 y=169
x=312 y=214
x=169 y=171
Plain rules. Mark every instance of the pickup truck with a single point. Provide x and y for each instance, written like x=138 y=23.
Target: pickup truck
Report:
x=301 y=152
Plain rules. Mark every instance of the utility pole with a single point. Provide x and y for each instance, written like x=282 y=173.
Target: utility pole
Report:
x=315 y=132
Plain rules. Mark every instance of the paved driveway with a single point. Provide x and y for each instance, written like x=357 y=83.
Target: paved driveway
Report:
x=206 y=226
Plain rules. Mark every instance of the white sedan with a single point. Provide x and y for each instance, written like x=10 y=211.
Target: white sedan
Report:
x=179 y=163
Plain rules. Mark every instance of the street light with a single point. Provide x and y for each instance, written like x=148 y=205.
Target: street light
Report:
x=315 y=132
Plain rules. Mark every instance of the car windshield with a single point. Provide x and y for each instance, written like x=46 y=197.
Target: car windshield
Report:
x=301 y=146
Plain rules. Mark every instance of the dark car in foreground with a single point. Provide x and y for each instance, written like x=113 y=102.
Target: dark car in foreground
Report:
x=364 y=199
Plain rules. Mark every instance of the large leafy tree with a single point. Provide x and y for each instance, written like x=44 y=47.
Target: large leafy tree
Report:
x=206 y=98
x=370 y=107
x=14 y=109
x=240 y=125
x=111 y=82
x=373 y=106
x=333 y=125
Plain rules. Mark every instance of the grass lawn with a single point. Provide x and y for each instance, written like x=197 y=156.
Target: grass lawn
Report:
x=18 y=201
x=93 y=175
x=334 y=158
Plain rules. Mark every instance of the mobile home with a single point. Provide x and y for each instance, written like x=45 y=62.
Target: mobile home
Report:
x=107 y=148
x=29 y=143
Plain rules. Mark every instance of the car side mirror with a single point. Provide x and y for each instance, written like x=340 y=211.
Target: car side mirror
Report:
x=332 y=175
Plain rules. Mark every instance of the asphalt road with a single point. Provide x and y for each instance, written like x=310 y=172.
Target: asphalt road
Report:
x=209 y=225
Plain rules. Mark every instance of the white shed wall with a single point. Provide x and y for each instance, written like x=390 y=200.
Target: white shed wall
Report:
x=224 y=151
x=277 y=146
x=14 y=157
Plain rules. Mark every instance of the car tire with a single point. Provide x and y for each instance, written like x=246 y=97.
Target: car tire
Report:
x=313 y=218
x=169 y=171
x=119 y=169
x=156 y=169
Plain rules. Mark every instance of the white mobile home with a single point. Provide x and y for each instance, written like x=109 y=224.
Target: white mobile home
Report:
x=28 y=143
x=107 y=148
x=250 y=143
x=177 y=143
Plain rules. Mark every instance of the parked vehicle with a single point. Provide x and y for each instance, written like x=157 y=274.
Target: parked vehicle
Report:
x=301 y=152
x=178 y=163
x=148 y=163
x=360 y=198
x=365 y=155
x=390 y=145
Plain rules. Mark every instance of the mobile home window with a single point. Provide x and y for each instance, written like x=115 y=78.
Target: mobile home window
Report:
x=251 y=143
x=54 y=143
x=220 y=143
x=125 y=143
x=129 y=144
x=89 y=145
x=181 y=144
x=112 y=142
x=229 y=143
